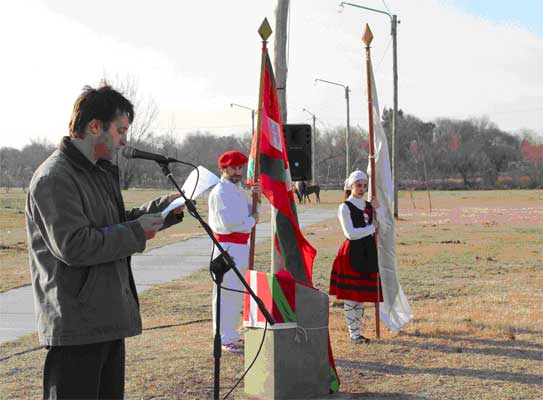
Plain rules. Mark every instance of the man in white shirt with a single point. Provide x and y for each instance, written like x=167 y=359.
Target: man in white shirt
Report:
x=231 y=218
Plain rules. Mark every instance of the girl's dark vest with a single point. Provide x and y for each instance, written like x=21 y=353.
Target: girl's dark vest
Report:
x=362 y=252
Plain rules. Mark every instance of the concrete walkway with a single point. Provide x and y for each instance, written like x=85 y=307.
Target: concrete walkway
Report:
x=159 y=265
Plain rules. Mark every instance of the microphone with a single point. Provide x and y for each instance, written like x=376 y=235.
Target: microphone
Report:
x=131 y=152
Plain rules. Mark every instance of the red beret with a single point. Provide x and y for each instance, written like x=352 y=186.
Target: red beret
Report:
x=232 y=159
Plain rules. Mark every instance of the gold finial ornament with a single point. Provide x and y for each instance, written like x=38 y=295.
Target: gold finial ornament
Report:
x=367 y=37
x=265 y=29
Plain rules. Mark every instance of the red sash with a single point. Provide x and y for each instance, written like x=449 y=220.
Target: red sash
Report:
x=235 y=237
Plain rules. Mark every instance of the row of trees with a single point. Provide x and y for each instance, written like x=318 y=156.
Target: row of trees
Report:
x=471 y=153
x=445 y=153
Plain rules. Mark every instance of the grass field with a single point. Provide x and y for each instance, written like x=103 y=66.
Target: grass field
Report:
x=471 y=270
x=13 y=241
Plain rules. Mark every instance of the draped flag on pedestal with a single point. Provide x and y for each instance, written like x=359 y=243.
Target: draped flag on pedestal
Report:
x=278 y=293
x=395 y=311
x=297 y=255
x=268 y=165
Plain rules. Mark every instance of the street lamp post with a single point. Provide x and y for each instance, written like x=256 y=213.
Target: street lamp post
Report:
x=393 y=32
x=348 y=130
x=314 y=164
x=252 y=115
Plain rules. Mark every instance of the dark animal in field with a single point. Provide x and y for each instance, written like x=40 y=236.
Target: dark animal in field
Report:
x=303 y=190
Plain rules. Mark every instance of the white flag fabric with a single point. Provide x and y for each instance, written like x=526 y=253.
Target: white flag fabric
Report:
x=395 y=311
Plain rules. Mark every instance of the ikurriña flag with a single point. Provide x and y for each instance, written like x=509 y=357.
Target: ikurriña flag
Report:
x=297 y=255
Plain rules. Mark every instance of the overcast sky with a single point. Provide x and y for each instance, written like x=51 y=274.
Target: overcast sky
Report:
x=456 y=58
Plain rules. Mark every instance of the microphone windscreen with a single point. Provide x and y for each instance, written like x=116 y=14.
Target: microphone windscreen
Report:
x=127 y=152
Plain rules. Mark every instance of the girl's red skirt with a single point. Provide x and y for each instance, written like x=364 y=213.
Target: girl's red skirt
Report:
x=348 y=284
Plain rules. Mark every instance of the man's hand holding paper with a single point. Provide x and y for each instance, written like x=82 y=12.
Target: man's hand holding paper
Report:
x=196 y=183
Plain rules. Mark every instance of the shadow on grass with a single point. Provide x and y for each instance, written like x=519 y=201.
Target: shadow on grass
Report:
x=376 y=396
x=520 y=354
x=488 y=342
x=489 y=374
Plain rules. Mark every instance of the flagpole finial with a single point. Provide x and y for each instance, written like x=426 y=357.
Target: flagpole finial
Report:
x=265 y=29
x=367 y=37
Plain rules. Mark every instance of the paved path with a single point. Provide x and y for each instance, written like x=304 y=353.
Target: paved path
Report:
x=160 y=265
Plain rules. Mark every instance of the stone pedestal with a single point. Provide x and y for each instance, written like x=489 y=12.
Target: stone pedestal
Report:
x=293 y=363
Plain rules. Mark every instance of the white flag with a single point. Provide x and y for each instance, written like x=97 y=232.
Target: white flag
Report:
x=395 y=311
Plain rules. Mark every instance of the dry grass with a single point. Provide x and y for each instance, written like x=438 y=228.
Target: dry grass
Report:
x=471 y=270
x=13 y=252
x=13 y=240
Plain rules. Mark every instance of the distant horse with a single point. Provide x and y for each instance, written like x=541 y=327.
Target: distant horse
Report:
x=297 y=187
x=303 y=190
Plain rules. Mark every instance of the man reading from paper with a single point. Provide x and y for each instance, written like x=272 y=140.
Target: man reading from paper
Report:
x=231 y=219
x=80 y=239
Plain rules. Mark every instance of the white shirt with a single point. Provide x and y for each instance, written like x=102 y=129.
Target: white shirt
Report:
x=344 y=215
x=230 y=210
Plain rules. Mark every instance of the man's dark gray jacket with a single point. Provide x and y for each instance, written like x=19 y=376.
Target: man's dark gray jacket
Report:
x=80 y=241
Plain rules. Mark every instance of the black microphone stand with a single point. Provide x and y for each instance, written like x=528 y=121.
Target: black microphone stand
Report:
x=219 y=266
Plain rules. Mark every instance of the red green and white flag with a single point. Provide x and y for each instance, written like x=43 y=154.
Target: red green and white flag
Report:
x=296 y=253
x=278 y=293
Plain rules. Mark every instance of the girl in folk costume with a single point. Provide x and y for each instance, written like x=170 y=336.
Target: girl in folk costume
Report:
x=354 y=276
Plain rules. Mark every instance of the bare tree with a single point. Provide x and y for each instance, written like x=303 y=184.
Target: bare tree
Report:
x=203 y=148
x=10 y=167
x=531 y=164
x=141 y=132
x=332 y=154
x=32 y=155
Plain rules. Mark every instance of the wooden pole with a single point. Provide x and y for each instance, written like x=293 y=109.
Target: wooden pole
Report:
x=412 y=198
x=426 y=181
x=394 y=33
x=265 y=32
x=280 y=54
x=280 y=67
x=367 y=38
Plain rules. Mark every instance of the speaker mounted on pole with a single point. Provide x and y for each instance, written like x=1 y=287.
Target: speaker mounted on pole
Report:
x=298 y=143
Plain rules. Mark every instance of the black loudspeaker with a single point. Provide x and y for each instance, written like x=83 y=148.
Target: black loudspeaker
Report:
x=298 y=142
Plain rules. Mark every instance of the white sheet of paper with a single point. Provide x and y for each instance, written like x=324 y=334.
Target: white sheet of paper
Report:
x=174 y=204
x=205 y=181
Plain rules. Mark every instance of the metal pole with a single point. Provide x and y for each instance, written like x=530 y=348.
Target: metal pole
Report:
x=280 y=55
x=348 y=130
x=394 y=25
x=313 y=148
x=314 y=153
x=394 y=144
x=347 y=137
x=252 y=115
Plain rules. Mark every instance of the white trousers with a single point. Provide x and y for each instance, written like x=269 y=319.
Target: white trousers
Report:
x=231 y=302
x=354 y=311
